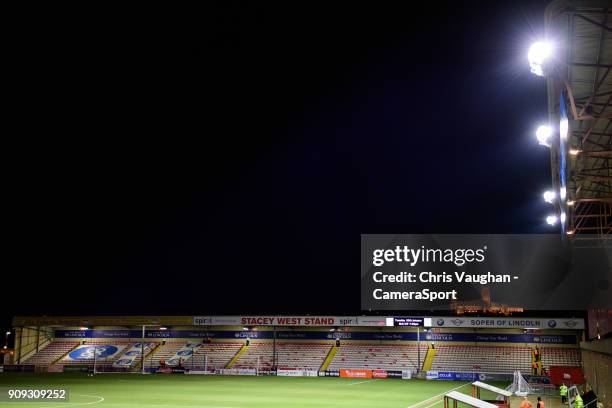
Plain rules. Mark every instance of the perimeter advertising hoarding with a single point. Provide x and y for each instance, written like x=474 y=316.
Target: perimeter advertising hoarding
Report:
x=304 y=321
x=317 y=335
x=505 y=323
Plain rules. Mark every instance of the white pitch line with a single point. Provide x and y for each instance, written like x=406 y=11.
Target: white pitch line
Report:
x=361 y=382
x=436 y=396
x=74 y=404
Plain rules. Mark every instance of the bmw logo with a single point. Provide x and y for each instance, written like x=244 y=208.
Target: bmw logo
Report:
x=440 y=322
x=552 y=323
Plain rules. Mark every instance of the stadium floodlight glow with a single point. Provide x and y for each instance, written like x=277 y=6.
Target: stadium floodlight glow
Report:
x=570 y=232
x=544 y=133
x=575 y=152
x=562 y=193
x=549 y=196
x=8 y=333
x=570 y=202
x=562 y=218
x=563 y=128
x=551 y=219
x=539 y=53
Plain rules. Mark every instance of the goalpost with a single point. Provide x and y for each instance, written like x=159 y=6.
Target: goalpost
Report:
x=519 y=385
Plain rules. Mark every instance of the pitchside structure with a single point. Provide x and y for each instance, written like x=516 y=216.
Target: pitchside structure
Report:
x=441 y=348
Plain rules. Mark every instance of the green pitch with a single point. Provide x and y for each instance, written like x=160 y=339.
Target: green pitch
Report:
x=161 y=391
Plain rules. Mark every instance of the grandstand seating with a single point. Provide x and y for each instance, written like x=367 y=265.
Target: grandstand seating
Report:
x=377 y=357
x=214 y=355
x=165 y=351
x=100 y=362
x=565 y=357
x=288 y=355
x=482 y=359
x=49 y=354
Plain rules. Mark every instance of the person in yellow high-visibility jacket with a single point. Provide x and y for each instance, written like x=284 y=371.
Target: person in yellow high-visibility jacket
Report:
x=578 y=401
x=563 y=393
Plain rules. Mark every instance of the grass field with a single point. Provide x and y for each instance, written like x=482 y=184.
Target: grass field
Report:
x=125 y=390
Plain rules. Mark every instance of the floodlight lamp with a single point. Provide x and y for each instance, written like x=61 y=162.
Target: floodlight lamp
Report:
x=571 y=202
x=8 y=333
x=574 y=152
x=543 y=134
x=549 y=196
x=539 y=53
x=551 y=219
x=562 y=193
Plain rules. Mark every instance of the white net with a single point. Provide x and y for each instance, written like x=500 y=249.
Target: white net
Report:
x=519 y=385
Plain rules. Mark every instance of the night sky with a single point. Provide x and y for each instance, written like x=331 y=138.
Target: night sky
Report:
x=227 y=161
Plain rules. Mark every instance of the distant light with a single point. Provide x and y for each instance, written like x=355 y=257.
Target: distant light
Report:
x=549 y=196
x=562 y=218
x=571 y=202
x=551 y=219
x=83 y=328
x=562 y=193
x=570 y=232
x=331 y=330
x=544 y=133
x=538 y=54
x=163 y=328
x=245 y=328
x=8 y=333
x=5 y=347
x=574 y=152
x=563 y=128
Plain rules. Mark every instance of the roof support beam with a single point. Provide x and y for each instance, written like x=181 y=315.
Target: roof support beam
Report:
x=598 y=24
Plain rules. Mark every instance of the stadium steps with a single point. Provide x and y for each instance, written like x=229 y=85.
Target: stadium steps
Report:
x=329 y=358
x=429 y=358
x=242 y=350
x=57 y=360
x=137 y=366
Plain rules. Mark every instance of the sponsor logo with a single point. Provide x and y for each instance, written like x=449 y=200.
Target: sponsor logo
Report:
x=571 y=323
x=552 y=323
x=87 y=352
x=457 y=322
x=356 y=373
x=440 y=322
x=379 y=374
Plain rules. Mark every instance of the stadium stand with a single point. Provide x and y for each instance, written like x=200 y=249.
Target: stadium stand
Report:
x=304 y=355
x=163 y=351
x=289 y=355
x=214 y=355
x=51 y=353
x=100 y=362
x=375 y=357
x=565 y=357
x=500 y=359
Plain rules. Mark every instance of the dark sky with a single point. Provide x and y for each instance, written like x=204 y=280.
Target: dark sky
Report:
x=227 y=160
